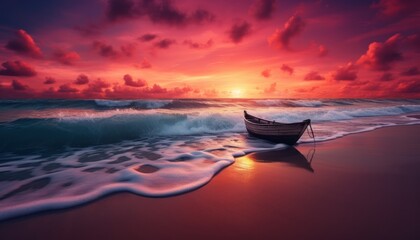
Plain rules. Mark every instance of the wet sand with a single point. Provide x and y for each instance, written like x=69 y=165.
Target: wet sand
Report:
x=362 y=186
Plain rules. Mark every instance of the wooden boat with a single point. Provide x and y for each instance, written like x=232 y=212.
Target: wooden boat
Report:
x=288 y=133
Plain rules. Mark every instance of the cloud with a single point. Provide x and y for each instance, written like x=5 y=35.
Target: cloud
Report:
x=130 y=82
x=128 y=49
x=412 y=71
x=148 y=37
x=24 y=44
x=391 y=8
x=49 y=80
x=104 y=50
x=322 y=51
x=66 y=88
x=66 y=57
x=17 y=69
x=161 y=12
x=414 y=41
x=262 y=9
x=345 y=73
x=196 y=45
x=239 y=30
x=98 y=86
x=271 y=88
x=144 y=64
x=386 y=77
x=287 y=69
x=381 y=56
x=281 y=38
x=120 y=9
x=412 y=86
x=164 y=43
x=18 y=86
x=313 y=75
x=201 y=16
x=81 y=80
x=266 y=73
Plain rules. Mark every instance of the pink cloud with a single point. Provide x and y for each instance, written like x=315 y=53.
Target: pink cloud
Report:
x=24 y=44
x=17 y=68
x=262 y=9
x=395 y=7
x=381 y=56
x=322 y=51
x=271 y=88
x=66 y=57
x=345 y=73
x=313 y=75
x=287 y=69
x=98 y=86
x=196 y=45
x=104 y=50
x=144 y=64
x=82 y=79
x=66 y=88
x=266 y=73
x=412 y=86
x=239 y=31
x=281 y=38
x=130 y=82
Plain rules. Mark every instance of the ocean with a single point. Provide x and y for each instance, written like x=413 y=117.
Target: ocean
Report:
x=61 y=153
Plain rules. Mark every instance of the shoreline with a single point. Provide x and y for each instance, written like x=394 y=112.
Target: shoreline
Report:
x=260 y=195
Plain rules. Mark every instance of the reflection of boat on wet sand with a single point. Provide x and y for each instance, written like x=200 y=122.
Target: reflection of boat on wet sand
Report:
x=290 y=156
x=288 y=133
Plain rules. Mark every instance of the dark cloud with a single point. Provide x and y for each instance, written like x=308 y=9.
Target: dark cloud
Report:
x=120 y=9
x=66 y=57
x=271 y=88
x=148 y=37
x=281 y=38
x=18 y=86
x=81 y=80
x=17 y=68
x=414 y=41
x=201 y=16
x=345 y=73
x=412 y=86
x=104 y=50
x=196 y=45
x=66 y=88
x=287 y=69
x=266 y=73
x=130 y=82
x=164 y=43
x=49 y=80
x=162 y=12
x=24 y=44
x=392 y=8
x=88 y=30
x=239 y=30
x=412 y=71
x=322 y=51
x=381 y=56
x=313 y=75
x=262 y=9
x=386 y=77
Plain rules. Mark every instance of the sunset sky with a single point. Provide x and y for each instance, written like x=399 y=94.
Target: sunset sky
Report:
x=209 y=49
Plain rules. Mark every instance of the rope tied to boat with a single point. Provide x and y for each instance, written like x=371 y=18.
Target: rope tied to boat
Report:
x=311 y=133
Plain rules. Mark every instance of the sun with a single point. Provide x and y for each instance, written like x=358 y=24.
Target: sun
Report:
x=236 y=93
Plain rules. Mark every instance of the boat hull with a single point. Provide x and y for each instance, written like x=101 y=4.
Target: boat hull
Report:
x=287 y=133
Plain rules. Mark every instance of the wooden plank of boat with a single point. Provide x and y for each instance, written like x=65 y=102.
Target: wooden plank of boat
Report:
x=288 y=133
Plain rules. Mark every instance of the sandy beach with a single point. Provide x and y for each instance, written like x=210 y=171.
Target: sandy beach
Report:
x=362 y=186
